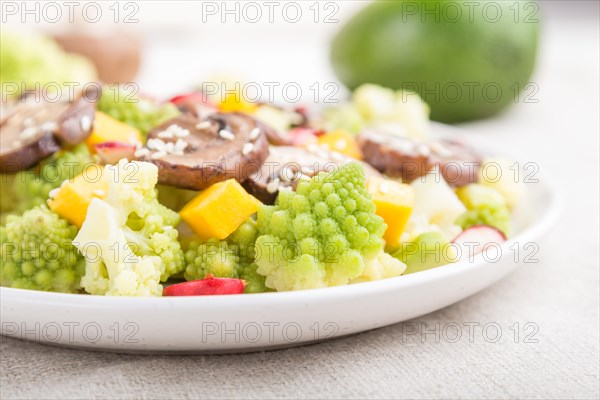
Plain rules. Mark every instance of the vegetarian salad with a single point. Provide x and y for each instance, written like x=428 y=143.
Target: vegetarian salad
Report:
x=117 y=195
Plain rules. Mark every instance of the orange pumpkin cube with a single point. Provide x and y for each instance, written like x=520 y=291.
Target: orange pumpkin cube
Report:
x=342 y=142
x=394 y=203
x=108 y=129
x=72 y=200
x=219 y=210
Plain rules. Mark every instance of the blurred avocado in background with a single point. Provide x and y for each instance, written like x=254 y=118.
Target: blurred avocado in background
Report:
x=467 y=59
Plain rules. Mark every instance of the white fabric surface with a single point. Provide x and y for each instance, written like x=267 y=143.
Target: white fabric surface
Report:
x=559 y=295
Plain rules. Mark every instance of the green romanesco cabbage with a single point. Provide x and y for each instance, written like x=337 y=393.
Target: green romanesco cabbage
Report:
x=143 y=114
x=30 y=188
x=399 y=112
x=29 y=60
x=129 y=239
x=229 y=258
x=485 y=206
x=37 y=252
x=321 y=234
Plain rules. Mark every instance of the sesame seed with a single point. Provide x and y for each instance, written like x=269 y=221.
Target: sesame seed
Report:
x=247 y=149
x=53 y=193
x=225 y=134
x=180 y=146
x=85 y=123
x=165 y=135
x=141 y=152
x=156 y=144
x=150 y=144
x=254 y=134
x=172 y=131
x=204 y=125
x=158 y=154
x=273 y=186
x=49 y=126
x=182 y=133
x=99 y=193
x=169 y=147
x=173 y=128
x=28 y=133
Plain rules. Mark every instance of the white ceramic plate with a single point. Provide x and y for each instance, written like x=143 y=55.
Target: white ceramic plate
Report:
x=271 y=320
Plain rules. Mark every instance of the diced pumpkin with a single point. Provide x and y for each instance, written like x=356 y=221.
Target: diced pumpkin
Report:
x=235 y=102
x=342 y=142
x=219 y=210
x=108 y=129
x=73 y=199
x=394 y=202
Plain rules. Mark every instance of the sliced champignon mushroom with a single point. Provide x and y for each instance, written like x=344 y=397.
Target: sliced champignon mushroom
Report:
x=75 y=123
x=193 y=154
x=409 y=159
x=288 y=165
x=34 y=129
x=22 y=146
x=197 y=104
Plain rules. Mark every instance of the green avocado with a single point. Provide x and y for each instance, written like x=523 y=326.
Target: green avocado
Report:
x=467 y=60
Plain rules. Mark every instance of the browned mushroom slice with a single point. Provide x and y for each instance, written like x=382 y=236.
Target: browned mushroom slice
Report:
x=458 y=163
x=409 y=159
x=22 y=147
x=32 y=130
x=287 y=165
x=193 y=154
x=75 y=123
x=394 y=156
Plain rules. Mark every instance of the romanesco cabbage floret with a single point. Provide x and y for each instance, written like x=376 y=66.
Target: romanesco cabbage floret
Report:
x=213 y=257
x=485 y=206
x=142 y=114
x=321 y=234
x=30 y=188
x=229 y=258
x=129 y=238
x=37 y=252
